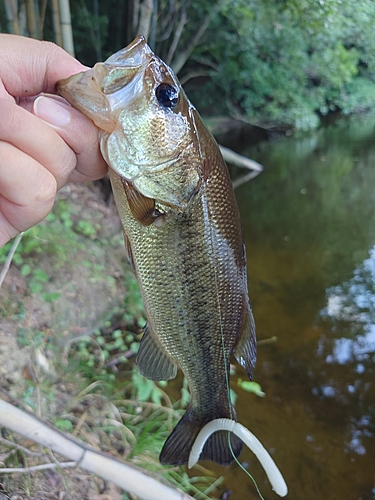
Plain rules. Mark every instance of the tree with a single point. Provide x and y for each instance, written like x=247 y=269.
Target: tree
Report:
x=275 y=62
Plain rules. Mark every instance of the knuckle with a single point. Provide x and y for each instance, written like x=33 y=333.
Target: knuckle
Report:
x=52 y=51
x=46 y=194
x=10 y=119
x=7 y=231
x=65 y=163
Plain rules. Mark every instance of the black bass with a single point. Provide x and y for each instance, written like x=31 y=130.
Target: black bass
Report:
x=182 y=234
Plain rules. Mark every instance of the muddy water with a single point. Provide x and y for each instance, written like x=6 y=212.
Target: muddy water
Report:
x=309 y=223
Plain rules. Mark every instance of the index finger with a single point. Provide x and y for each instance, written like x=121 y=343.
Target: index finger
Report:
x=29 y=67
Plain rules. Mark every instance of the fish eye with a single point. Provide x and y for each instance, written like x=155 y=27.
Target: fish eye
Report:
x=167 y=95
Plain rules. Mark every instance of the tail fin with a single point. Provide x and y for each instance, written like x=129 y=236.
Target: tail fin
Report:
x=177 y=447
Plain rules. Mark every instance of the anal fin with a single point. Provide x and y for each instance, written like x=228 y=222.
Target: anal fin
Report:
x=246 y=349
x=152 y=361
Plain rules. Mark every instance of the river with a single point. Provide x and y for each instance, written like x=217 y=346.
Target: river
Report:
x=309 y=223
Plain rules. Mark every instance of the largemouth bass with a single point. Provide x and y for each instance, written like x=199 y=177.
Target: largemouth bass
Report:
x=182 y=234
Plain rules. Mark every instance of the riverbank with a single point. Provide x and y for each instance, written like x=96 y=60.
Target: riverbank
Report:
x=71 y=317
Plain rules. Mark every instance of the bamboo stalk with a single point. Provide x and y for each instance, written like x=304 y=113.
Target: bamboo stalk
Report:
x=31 y=19
x=56 y=22
x=66 y=26
x=42 y=16
x=125 y=476
x=144 y=24
x=11 y=12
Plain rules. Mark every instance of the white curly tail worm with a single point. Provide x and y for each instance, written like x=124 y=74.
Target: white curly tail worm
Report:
x=225 y=424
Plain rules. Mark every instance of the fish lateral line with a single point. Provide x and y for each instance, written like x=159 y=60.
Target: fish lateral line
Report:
x=225 y=424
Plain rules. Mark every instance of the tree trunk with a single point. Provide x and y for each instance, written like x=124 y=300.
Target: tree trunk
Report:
x=66 y=27
x=183 y=56
x=177 y=35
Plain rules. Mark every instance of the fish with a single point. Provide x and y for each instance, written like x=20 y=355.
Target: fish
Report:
x=183 y=236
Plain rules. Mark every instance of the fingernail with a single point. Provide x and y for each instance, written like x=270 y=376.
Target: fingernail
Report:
x=52 y=111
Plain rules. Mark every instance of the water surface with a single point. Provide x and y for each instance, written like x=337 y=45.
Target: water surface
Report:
x=309 y=223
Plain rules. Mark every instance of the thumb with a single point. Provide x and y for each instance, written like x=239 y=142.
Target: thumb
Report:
x=53 y=110
x=79 y=133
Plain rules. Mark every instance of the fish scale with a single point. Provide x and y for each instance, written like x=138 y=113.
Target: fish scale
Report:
x=182 y=234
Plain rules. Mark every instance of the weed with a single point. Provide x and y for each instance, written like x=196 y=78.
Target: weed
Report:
x=86 y=229
x=95 y=392
x=253 y=387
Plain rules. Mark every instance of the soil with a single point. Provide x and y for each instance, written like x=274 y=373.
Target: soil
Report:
x=35 y=336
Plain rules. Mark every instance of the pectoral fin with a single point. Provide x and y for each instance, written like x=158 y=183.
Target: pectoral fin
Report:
x=142 y=208
x=152 y=361
x=246 y=350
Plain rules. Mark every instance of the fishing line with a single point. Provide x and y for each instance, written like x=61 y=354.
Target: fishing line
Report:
x=212 y=237
x=227 y=371
x=229 y=433
x=225 y=360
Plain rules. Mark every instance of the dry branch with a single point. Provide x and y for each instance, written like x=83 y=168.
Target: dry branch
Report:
x=240 y=161
x=183 y=56
x=12 y=470
x=9 y=258
x=125 y=476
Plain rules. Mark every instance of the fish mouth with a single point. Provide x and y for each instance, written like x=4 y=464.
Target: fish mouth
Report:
x=102 y=89
x=136 y=54
x=83 y=92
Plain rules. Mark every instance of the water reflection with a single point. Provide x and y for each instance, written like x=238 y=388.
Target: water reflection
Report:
x=351 y=312
x=353 y=302
x=309 y=223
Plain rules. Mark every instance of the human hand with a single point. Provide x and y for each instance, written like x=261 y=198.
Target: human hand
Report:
x=44 y=142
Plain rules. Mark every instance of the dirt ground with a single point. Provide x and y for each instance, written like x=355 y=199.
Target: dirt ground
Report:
x=35 y=335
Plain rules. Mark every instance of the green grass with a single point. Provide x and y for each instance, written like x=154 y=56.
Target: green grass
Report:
x=88 y=385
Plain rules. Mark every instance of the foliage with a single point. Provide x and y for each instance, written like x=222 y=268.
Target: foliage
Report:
x=283 y=62
x=275 y=62
x=253 y=387
x=56 y=237
x=90 y=384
